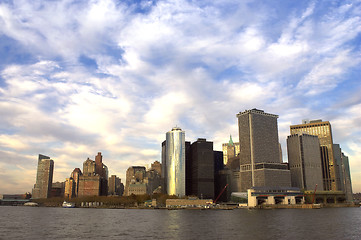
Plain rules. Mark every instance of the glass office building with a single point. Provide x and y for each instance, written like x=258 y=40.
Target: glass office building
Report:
x=174 y=162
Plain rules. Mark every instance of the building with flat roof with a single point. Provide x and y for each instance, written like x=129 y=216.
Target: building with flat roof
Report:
x=173 y=162
x=259 y=151
x=344 y=177
x=44 y=177
x=304 y=160
x=322 y=129
x=200 y=169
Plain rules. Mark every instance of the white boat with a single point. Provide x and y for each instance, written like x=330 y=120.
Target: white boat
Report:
x=31 y=204
x=68 y=204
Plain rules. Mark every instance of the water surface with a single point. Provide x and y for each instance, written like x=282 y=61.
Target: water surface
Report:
x=82 y=223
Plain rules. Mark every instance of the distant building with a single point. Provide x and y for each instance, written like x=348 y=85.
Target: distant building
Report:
x=135 y=175
x=173 y=162
x=44 y=177
x=115 y=186
x=57 y=189
x=322 y=129
x=153 y=180
x=304 y=159
x=157 y=166
x=75 y=176
x=259 y=154
x=230 y=150
x=200 y=169
x=343 y=171
x=347 y=178
x=140 y=181
x=94 y=181
x=69 y=188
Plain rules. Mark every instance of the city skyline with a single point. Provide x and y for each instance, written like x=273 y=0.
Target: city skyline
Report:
x=82 y=77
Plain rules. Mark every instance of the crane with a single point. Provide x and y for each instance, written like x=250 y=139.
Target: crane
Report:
x=220 y=193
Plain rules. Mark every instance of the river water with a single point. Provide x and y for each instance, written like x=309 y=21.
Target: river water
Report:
x=85 y=223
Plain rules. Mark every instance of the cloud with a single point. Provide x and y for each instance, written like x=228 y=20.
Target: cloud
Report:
x=115 y=77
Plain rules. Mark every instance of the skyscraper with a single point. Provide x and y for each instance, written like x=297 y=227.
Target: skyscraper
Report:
x=44 y=177
x=347 y=177
x=259 y=151
x=343 y=172
x=230 y=150
x=304 y=159
x=324 y=133
x=173 y=162
x=200 y=169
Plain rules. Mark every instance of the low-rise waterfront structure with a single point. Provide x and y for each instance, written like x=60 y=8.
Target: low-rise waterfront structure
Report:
x=282 y=195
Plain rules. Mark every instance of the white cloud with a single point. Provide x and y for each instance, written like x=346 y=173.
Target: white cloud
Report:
x=195 y=64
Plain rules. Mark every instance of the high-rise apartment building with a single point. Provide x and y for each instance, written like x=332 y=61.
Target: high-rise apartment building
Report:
x=173 y=162
x=304 y=160
x=44 y=177
x=259 y=151
x=324 y=133
x=230 y=150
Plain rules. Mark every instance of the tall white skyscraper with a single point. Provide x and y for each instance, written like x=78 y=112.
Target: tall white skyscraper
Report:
x=173 y=162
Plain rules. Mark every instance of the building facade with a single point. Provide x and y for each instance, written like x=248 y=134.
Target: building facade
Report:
x=322 y=129
x=343 y=170
x=70 y=185
x=230 y=150
x=44 y=177
x=259 y=151
x=75 y=176
x=135 y=175
x=304 y=160
x=173 y=162
x=200 y=169
x=94 y=180
x=347 y=178
x=115 y=186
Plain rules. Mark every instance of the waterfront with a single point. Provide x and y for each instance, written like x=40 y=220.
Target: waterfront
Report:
x=78 y=223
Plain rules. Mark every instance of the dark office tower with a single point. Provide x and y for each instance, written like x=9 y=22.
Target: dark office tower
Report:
x=200 y=166
x=304 y=160
x=44 y=177
x=324 y=133
x=259 y=151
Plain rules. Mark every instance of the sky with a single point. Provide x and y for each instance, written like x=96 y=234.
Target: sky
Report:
x=82 y=77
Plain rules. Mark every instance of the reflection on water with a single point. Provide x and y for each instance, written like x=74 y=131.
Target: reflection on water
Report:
x=76 y=223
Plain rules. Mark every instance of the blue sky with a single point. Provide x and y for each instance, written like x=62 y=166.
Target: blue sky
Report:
x=78 y=77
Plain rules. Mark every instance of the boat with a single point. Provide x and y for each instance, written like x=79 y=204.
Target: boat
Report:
x=31 y=204
x=68 y=204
